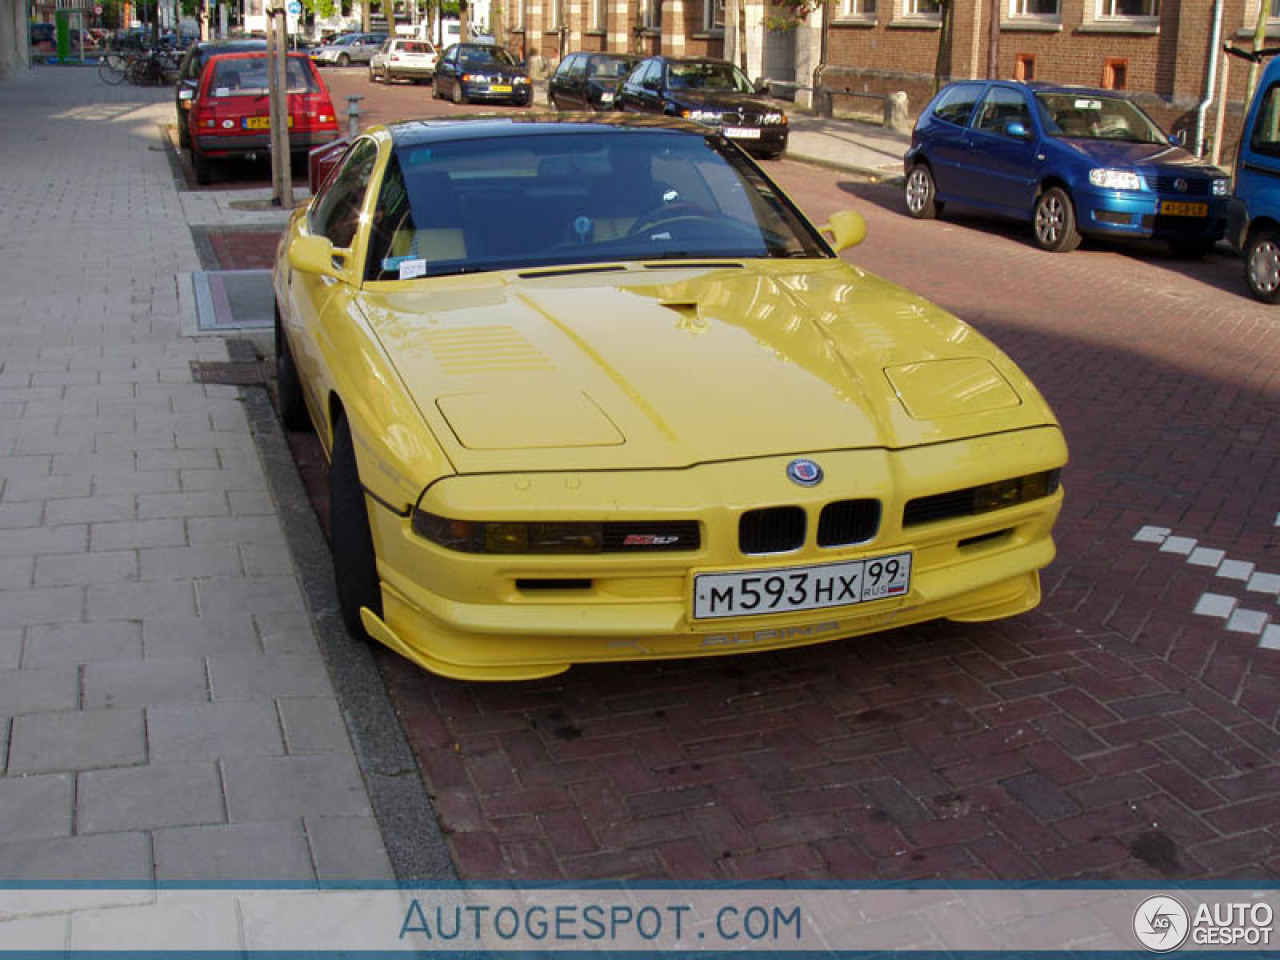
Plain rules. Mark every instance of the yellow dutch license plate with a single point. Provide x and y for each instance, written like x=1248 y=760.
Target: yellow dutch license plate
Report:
x=1175 y=208
x=260 y=123
x=500 y=88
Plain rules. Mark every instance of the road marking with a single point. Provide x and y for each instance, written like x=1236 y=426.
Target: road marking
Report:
x=1236 y=619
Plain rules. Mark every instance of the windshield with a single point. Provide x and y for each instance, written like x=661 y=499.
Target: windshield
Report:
x=1093 y=117
x=560 y=199
x=610 y=68
x=485 y=57
x=247 y=76
x=707 y=76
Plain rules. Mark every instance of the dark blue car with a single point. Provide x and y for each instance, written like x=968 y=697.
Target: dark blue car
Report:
x=1071 y=160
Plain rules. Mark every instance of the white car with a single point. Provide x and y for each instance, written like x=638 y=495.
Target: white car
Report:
x=404 y=59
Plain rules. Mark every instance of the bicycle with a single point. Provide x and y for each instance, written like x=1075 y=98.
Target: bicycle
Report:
x=112 y=68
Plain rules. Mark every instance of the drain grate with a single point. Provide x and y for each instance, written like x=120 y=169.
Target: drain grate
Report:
x=229 y=373
x=233 y=299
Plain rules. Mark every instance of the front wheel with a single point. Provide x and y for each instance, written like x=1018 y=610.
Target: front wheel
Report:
x=373 y=74
x=355 y=564
x=921 y=194
x=1262 y=265
x=344 y=60
x=458 y=96
x=1055 y=222
x=202 y=168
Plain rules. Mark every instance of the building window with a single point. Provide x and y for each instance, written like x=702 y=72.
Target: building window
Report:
x=866 y=9
x=922 y=9
x=1115 y=74
x=651 y=11
x=713 y=15
x=1042 y=9
x=599 y=14
x=1128 y=9
x=1024 y=67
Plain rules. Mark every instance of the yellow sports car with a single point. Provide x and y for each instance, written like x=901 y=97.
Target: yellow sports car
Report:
x=595 y=390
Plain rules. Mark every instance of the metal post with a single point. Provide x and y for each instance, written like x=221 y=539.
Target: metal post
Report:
x=278 y=63
x=353 y=116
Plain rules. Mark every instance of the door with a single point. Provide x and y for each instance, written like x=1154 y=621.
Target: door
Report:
x=943 y=137
x=641 y=89
x=1002 y=153
x=780 y=49
x=446 y=73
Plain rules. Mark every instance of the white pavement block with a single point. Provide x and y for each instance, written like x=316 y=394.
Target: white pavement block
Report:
x=1215 y=605
x=1178 y=545
x=1247 y=621
x=1206 y=557
x=1264 y=583
x=1236 y=570
x=1271 y=637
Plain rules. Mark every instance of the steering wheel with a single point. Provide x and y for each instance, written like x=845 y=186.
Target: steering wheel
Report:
x=668 y=214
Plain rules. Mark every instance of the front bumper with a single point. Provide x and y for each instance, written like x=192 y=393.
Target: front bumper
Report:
x=1132 y=214
x=483 y=94
x=509 y=617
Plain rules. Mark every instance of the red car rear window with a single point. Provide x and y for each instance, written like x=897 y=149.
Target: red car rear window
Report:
x=247 y=76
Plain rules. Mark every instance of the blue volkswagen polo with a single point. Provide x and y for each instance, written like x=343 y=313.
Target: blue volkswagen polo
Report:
x=1071 y=160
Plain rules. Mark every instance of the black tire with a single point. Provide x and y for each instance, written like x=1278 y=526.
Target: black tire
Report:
x=373 y=76
x=1262 y=265
x=355 y=565
x=1054 y=222
x=293 y=406
x=344 y=60
x=435 y=90
x=184 y=135
x=921 y=193
x=202 y=168
x=459 y=97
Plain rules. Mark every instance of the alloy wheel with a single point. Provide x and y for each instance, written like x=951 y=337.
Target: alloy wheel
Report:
x=1264 y=266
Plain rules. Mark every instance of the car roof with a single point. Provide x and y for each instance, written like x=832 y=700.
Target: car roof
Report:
x=1040 y=86
x=253 y=55
x=239 y=43
x=690 y=59
x=410 y=133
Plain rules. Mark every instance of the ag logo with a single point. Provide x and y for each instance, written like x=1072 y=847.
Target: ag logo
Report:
x=804 y=472
x=1161 y=923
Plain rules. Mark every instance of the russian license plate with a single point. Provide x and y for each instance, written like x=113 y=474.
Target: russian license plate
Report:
x=260 y=123
x=742 y=133
x=500 y=88
x=789 y=589
x=1176 y=208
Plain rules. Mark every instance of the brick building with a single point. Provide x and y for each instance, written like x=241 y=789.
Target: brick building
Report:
x=1157 y=50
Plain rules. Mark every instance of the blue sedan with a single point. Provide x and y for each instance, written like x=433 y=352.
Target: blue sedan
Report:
x=1070 y=160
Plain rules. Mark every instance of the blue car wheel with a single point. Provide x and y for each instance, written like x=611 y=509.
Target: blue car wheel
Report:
x=921 y=194
x=1055 y=222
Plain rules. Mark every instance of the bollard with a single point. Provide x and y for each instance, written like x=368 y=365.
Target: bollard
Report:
x=353 y=115
x=897 y=112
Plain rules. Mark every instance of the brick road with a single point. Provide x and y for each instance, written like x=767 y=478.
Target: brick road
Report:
x=1111 y=733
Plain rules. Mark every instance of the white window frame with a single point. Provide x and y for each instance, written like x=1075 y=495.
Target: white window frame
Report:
x=911 y=10
x=858 y=10
x=710 y=9
x=599 y=14
x=1017 y=10
x=1104 y=12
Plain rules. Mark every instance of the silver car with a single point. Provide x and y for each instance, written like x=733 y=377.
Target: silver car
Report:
x=348 y=49
x=404 y=59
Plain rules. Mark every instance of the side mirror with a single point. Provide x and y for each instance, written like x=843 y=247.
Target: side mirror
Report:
x=313 y=254
x=847 y=229
x=1179 y=139
x=1016 y=129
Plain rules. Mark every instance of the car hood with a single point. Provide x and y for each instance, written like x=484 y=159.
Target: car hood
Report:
x=1117 y=153
x=668 y=367
x=709 y=99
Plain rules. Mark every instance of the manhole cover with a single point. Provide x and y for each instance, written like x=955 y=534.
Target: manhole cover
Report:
x=233 y=299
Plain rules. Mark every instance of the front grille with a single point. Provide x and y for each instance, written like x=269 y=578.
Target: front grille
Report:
x=625 y=537
x=1195 y=188
x=847 y=522
x=771 y=530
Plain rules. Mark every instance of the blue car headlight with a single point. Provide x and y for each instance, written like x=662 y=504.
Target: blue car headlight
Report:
x=1109 y=179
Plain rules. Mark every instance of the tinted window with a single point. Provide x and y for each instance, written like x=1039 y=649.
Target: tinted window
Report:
x=1001 y=107
x=956 y=102
x=547 y=199
x=335 y=213
x=707 y=76
x=578 y=69
x=609 y=68
x=247 y=76
x=1097 y=117
x=485 y=57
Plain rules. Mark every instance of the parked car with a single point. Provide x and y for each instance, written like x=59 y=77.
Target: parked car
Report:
x=43 y=37
x=711 y=92
x=588 y=81
x=1070 y=160
x=404 y=59
x=348 y=49
x=521 y=345
x=1254 y=211
x=468 y=72
x=230 y=114
x=190 y=69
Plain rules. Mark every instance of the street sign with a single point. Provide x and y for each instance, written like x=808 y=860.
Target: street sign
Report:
x=295 y=8
x=97 y=11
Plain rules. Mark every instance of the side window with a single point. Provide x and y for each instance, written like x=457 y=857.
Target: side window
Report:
x=1000 y=108
x=566 y=65
x=956 y=103
x=1265 y=136
x=336 y=212
x=578 y=69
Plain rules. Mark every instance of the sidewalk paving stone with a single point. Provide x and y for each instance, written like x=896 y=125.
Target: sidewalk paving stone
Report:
x=149 y=797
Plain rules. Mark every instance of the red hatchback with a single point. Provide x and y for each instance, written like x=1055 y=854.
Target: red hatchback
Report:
x=230 y=115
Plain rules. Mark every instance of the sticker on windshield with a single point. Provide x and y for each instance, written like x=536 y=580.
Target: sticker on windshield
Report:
x=412 y=268
x=1088 y=104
